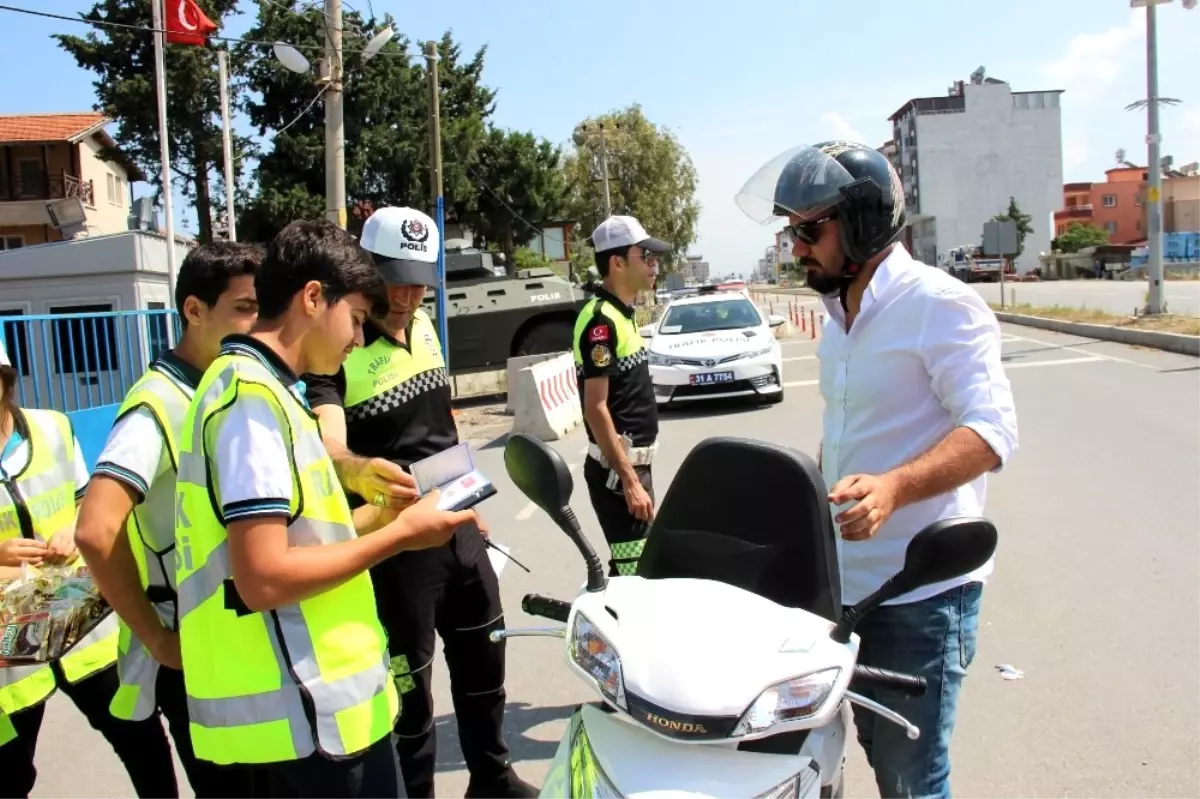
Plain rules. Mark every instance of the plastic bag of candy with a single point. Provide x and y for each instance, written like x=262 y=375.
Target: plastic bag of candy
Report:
x=45 y=611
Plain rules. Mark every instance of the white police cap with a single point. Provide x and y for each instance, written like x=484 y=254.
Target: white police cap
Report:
x=404 y=242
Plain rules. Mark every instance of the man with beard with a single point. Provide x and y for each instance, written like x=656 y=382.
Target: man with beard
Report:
x=918 y=411
x=387 y=408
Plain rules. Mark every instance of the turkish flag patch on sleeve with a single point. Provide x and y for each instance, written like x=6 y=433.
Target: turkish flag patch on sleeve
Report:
x=599 y=333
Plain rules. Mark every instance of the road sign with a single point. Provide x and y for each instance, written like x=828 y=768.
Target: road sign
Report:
x=1000 y=237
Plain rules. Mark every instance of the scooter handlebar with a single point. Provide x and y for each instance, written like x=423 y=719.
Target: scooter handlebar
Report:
x=547 y=608
x=872 y=677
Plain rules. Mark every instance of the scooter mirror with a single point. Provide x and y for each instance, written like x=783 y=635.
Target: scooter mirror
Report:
x=945 y=549
x=539 y=472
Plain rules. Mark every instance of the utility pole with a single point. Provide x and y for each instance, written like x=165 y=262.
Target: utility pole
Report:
x=335 y=139
x=597 y=130
x=226 y=144
x=160 y=79
x=435 y=193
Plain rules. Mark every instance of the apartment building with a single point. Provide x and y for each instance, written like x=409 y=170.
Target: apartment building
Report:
x=962 y=156
x=55 y=184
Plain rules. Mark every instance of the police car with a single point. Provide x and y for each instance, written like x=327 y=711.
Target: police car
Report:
x=716 y=344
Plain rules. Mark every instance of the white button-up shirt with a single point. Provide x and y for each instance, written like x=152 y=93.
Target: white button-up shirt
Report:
x=922 y=358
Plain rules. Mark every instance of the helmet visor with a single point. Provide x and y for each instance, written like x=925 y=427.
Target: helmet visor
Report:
x=804 y=182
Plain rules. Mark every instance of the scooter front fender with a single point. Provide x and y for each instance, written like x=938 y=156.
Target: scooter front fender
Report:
x=603 y=754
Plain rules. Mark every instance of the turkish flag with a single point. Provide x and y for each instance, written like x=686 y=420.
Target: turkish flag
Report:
x=186 y=23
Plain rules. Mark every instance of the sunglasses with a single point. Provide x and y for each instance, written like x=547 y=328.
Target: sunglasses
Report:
x=808 y=232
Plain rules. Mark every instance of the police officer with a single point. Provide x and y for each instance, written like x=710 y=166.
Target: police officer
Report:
x=619 y=409
x=388 y=407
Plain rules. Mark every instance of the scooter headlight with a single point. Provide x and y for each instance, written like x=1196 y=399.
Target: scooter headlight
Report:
x=792 y=700
x=593 y=653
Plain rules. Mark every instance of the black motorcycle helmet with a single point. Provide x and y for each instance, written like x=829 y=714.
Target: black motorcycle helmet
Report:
x=847 y=180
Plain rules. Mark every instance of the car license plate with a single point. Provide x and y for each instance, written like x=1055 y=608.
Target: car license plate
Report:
x=711 y=378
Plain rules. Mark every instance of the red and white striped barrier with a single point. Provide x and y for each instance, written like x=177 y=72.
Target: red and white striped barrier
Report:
x=545 y=398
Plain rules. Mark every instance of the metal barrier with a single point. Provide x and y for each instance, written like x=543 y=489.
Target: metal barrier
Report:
x=72 y=362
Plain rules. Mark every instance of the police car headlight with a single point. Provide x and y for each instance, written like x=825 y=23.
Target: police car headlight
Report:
x=593 y=653
x=791 y=700
x=661 y=360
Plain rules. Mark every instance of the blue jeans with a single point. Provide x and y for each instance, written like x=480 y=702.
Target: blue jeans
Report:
x=934 y=638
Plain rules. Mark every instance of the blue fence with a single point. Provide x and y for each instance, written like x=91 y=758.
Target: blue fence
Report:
x=83 y=364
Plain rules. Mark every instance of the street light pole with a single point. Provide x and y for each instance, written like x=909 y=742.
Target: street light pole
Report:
x=435 y=191
x=598 y=130
x=335 y=142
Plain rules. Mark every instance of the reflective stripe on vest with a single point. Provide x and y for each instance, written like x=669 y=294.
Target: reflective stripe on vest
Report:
x=153 y=549
x=282 y=684
x=46 y=488
x=383 y=375
x=631 y=347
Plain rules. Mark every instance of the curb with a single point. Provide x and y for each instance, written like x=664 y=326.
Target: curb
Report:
x=1154 y=339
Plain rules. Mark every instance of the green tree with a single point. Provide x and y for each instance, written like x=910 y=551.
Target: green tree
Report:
x=520 y=185
x=1024 y=223
x=123 y=60
x=386 y=121
x=1079 y=236
x=651 y=177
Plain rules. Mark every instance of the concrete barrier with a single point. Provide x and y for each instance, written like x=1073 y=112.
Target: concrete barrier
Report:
x=545 y=397
x=1154 y=339
x=514 y=367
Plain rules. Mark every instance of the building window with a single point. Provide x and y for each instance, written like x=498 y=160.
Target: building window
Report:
x=85 y=345
x=12 y=242
x=1111 y=227
x=1110 y=201
x=1139 y=225
x=1137 y=199
x=116 y=190
x=16 y=341
x=160 y=340
x=110 y=179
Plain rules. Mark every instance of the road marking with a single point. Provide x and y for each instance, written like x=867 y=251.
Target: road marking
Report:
x=801 y=383
x=802 y=358
x=1075 y=348
x=1058 y=362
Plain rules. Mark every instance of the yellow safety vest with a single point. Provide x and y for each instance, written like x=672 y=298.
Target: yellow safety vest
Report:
x=631 y=347
x=44 y=491
x=167 y=399
x=383 y=373
x=308 y=677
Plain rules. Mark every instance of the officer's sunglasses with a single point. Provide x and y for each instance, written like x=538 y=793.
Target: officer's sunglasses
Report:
x=808 y=232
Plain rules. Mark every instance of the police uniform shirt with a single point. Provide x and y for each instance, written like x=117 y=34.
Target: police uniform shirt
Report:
x=136 y=452
x=252 y=476
x=407 y=423
x=631 y=402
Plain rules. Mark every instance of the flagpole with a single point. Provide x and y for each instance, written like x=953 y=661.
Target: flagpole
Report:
x=226 y=144
x=160 y=80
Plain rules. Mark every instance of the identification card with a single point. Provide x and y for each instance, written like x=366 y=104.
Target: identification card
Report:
x=453 y=472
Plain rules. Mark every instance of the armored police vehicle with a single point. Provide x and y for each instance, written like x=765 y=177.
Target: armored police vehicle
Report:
x=493 y=317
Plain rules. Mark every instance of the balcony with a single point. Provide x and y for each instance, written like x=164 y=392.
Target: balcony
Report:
x=23 y=188
x=1074 y=212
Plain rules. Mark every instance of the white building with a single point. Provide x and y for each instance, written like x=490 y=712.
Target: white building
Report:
x=962 y=156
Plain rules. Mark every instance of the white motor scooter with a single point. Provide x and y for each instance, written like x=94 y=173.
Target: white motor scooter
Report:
x=725 y=665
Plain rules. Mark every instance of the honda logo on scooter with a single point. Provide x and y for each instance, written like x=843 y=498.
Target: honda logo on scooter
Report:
x=690 y=727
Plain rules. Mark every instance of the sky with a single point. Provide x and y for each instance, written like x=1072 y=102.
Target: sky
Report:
x=738 y=83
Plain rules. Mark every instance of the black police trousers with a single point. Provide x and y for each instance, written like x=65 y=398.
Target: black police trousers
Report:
x=620 y=527
x=452 y=591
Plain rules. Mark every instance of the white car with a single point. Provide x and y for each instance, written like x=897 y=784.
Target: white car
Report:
x=717 y=344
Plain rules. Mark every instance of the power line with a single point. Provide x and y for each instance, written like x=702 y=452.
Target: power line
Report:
x=150 y=29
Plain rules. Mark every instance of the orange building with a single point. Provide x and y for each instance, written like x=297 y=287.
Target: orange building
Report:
x=1114 y=205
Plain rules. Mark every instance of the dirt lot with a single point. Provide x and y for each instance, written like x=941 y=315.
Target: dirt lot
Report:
x=481 y=420
x=1167 y=323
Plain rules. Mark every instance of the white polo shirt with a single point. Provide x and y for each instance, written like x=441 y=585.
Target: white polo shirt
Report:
x=922 y=358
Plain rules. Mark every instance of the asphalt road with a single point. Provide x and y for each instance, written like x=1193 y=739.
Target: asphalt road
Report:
x=1112 y=296
x=1095 y=597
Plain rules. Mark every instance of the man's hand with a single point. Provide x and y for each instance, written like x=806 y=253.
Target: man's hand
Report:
x=62 y=548
x=165 y=649
x=424 y=526
x=15 y=551
x=381 y=482
x=876 y=495
x=637 y=500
